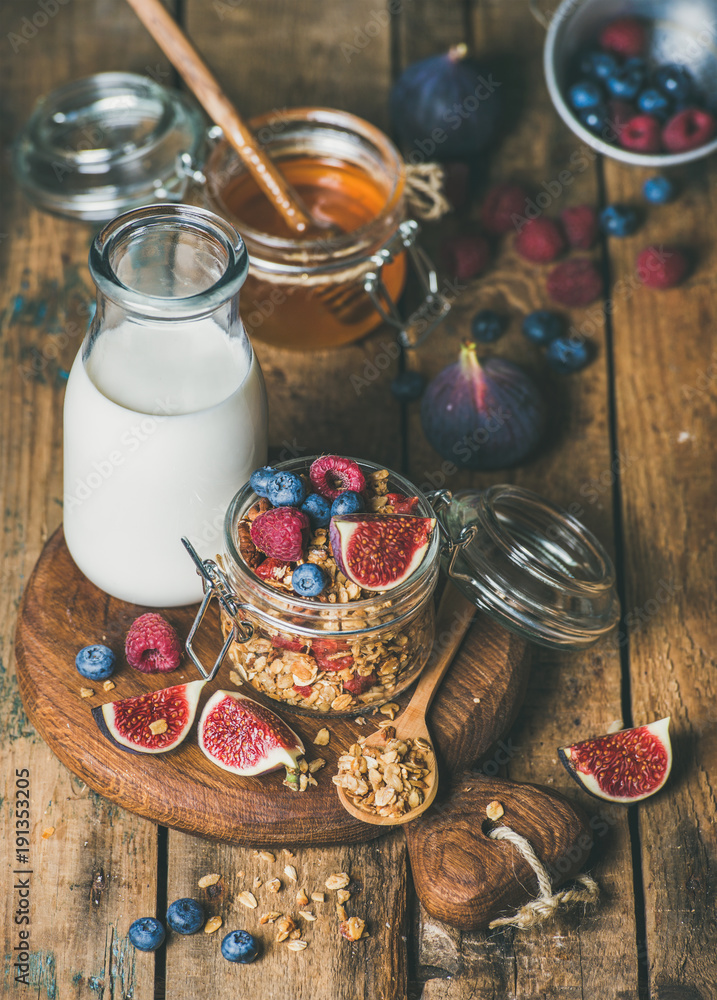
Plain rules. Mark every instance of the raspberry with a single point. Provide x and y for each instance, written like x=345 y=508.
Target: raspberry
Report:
x=626 y=37
x=641 y=133
x=272 y=570
x=331 y=654
x=540 y=240
x=331 y=475
x=575 y=282
x=464 y=257
x=285 y=642
x=502 y=203
x=580 y=226
x=661 y=267
x=402 y=504
x=688 y=129
x=304 y=690
x=152 y=645
x=358 y=684
x=279 y=533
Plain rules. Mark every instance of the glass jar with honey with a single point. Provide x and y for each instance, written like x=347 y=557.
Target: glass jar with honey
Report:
x=310 y=291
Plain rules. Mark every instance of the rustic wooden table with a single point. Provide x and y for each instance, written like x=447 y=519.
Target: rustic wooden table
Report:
x=630 y=449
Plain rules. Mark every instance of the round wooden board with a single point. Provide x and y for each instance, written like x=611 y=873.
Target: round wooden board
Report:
x=62 y=611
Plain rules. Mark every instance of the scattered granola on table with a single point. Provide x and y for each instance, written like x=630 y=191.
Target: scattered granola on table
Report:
x=387 y=780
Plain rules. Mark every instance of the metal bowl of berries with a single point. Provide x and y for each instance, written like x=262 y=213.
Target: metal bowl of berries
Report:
x=636 y=79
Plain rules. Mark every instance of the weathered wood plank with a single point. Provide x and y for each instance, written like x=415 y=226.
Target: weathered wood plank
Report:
x=665 y=366
x=570 y=695
x=96 y=872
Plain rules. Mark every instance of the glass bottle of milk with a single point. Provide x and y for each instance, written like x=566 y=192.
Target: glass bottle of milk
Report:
x=165 y=413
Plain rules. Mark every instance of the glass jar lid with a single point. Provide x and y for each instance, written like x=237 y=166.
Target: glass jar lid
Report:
x=107 y=143
x=526 y=562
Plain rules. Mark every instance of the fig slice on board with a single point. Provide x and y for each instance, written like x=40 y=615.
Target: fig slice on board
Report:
x=246 y=738
x=154 y=722
x=380 y=551
x=626 y=766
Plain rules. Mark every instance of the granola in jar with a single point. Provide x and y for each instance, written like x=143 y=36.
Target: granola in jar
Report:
x=347 y=648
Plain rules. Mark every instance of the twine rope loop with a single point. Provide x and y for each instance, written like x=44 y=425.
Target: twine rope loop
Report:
x=547 y=903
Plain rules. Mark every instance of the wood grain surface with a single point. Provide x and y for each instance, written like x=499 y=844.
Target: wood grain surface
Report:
x=631 y=444
x=62 y=612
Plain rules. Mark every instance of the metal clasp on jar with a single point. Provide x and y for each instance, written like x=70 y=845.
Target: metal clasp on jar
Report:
x=216 y=585
x=451 y=547
x=435 y=306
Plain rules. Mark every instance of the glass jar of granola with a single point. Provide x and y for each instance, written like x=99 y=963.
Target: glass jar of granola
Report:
x=347 y=652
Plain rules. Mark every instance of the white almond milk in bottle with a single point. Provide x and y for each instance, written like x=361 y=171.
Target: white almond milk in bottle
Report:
x=165 y=412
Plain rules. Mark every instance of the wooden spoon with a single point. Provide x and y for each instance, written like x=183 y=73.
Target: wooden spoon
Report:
x=455 y=614
x=200 y=80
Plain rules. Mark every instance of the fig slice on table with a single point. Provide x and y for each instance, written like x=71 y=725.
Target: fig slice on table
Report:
x=246 y=738
x=379 y=551
x=627 y=766
x=136 y=724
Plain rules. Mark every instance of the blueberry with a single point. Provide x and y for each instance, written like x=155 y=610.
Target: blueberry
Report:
x=146 y=934
x=185 y=916
x=653 y=102
x=658 y=190
x=240 y=946
x=260 y=479
x=308 y=580
x=487 y=326
x=619 y=220
x=593 y=118
x=675 y=81
x=348 y=502
x=585 y=94
x=566 y=355
x=318 y=509
x=626 y=83
x=286 y=490
x=97 y=663
x=542 y=326
x=408 y=386
x=597 y=64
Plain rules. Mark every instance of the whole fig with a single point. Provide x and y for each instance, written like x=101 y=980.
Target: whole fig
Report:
x=445 y=107
x=482 y=415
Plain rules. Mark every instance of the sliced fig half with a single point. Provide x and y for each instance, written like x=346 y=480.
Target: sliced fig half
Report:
x=246 y=738
x=135 y=724
x=622 y=767
x=380 y=551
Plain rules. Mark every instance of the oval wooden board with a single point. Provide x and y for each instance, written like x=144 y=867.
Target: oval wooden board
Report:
x=62 y=611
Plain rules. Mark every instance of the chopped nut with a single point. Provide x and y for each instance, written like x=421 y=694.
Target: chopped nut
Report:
x=266 y=855
x=301 y=898
x=338 y=881
x=48 y=832
x=303 y=782
x=322 y=738
x=290 y=872
x=206 y=880
x=353 y=928
x=284 y=928
x=318 y=897
x=297 y=945
x=248 y=899
x=341 y=911
x=343 y=895
x=494 y=810
x=108 y=685
x=213 y=924
x=316 y=765
x=86 y=693
x=235 y=678
x=270 y=917
x=295 y=934
x=390 y=709
x=288 y=854
x=307 y=915
x=257 y=883
x=158 y=727
x=273 y=885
